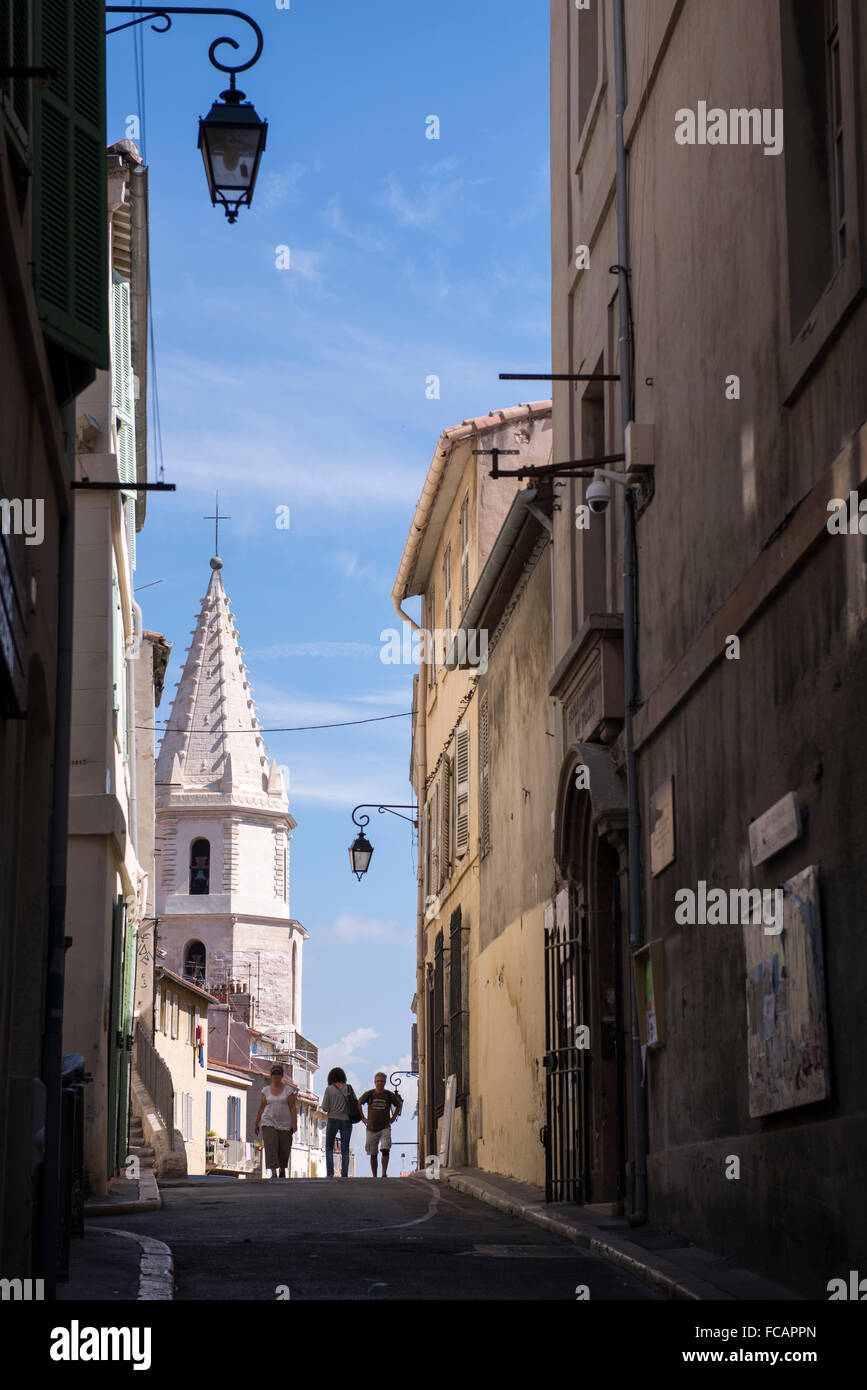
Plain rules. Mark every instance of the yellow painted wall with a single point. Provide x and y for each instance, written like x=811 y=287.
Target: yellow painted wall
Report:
x=507 y=1042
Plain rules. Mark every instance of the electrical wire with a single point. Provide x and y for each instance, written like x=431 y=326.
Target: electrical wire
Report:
x=297 y=729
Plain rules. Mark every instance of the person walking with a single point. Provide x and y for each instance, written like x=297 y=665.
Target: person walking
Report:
x=379 y=1120
x=278 y=1115
x=335 y=1104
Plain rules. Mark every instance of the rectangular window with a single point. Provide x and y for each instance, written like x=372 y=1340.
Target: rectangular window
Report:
x=207 y=1110
x=430 y=643
x=588 y=59
x=233 y=1118
x=176 y=1009
x=187 y=1130
x=447 y=593
x=191 y=1023
x=465 y=553
x=157 y=1010
x=807 y=149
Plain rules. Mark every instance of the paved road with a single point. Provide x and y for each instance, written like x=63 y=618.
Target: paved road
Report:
x=364 y=1239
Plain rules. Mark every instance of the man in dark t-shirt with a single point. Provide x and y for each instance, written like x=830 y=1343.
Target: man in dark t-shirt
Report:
x=379 y=1119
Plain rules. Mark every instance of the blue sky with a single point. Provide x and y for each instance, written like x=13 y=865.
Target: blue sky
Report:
x=306 y=388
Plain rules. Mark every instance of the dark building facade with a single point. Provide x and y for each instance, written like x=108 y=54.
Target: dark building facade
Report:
x=748 y=338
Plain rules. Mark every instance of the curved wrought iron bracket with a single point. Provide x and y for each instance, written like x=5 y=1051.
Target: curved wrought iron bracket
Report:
x=394 y=810
x=165 y=12
x=396 y=1084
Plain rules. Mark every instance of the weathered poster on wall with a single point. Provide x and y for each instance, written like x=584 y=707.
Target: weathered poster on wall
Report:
x=787 y=1034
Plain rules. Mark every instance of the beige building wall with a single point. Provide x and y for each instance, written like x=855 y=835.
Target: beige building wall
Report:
x=179 y=1012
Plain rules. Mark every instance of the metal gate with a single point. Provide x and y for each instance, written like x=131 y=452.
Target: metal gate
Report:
x=567 y=1066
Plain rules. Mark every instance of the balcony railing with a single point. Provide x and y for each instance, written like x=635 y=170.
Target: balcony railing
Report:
x=156 y=1078
x=231 y=1154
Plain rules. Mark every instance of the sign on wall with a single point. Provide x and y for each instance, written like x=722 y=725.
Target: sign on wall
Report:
x=787 y=1033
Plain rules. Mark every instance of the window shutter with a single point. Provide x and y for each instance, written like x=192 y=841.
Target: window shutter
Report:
x=444 y=825
x=123 y=401
x=435 y=840
x=484 y=801
x=425 y=854
x=447 y=591
x=431 y=640
x=70 y=226
x=462 y=791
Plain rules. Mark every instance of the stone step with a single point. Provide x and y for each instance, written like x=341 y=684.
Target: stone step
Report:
x=141 y=1150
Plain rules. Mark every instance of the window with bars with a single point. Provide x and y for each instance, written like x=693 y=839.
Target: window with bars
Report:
x=484 y=791
x=458 y=1012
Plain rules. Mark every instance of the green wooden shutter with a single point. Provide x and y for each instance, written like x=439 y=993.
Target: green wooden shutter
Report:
x=70 y=227
x=123 y=400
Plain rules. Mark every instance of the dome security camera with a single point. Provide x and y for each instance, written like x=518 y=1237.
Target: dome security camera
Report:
x=598 y=494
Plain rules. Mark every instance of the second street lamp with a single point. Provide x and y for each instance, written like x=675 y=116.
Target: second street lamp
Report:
x=361 y=849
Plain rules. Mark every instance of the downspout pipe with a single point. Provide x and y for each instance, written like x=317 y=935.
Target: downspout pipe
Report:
x=630 y=624
x=52 y=1033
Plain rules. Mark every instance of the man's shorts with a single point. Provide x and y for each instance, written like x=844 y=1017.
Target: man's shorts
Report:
x=377 y=1137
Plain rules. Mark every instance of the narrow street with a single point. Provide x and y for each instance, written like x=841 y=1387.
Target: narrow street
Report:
x=359 y=1239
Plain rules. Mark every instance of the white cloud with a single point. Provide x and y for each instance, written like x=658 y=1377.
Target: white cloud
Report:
x=346 y=1049
x=364 y=240
x=277 y=185
x=351 y=929
x=433 y=204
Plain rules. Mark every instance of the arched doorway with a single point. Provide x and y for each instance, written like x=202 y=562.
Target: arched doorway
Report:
x=586 y=1037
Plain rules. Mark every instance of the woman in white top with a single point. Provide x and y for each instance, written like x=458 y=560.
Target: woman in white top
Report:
x=279 y=1118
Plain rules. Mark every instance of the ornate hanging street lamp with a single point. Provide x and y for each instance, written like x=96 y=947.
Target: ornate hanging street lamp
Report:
x=361 y=849
x=231 y=137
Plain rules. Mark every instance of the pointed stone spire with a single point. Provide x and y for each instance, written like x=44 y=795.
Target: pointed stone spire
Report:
x=214 y=741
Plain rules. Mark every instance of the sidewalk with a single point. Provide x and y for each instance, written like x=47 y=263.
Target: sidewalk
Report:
x=114 y=1264
x=127 y=1195
x=668 y=1263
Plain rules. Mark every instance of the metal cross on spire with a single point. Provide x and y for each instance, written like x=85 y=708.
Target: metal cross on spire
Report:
x=217 y=518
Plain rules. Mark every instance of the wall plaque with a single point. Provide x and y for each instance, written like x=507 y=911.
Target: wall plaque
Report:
x=662 y=851
x=777 y=828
